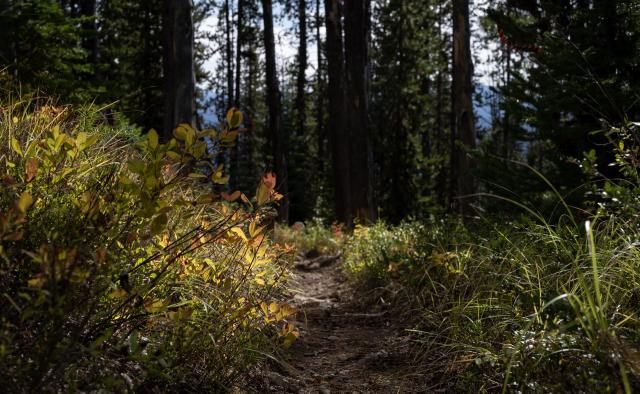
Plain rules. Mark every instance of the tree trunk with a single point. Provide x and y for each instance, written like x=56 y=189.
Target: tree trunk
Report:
x=179 y=71
x=239 y=38
x=90 y=42
x=275 y=112
x=319 y=94
x=236 y=152
x=463 y=129
x=229 y=53
x=302 y=67
x=8 y=55
x=338 y=138
x=357 y=40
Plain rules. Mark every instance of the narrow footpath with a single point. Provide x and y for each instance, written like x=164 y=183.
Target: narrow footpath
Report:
x=345 y=346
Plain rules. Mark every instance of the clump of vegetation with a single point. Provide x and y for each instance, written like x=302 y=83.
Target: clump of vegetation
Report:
x=313 y=238
x=120 y=268
x=526 y=306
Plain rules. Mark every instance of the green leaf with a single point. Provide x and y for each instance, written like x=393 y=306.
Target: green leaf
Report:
x=197 y=175
x=153 y=139
x=199 y=150
x=136 y=166
x=234 y=118
x=174 y=155
x=159 y=223
x=180 y=133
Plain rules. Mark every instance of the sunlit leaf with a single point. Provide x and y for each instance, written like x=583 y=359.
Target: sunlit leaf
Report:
x=15 y=145
x=154 y=306
x=238 y=231
x=118 y=293
x=24 y=202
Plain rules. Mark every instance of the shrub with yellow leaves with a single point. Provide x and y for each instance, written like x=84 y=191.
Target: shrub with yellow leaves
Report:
x=120 y=268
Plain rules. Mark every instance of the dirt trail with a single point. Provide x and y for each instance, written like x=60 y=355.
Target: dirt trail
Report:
x=344 y=347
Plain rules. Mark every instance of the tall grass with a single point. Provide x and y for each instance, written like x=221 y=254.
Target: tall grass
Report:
x=519 y=307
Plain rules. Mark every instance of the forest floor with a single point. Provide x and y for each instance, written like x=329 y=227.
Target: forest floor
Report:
x=345 y=346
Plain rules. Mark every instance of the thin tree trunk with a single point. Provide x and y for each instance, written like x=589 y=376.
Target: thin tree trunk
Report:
x=301 y=102
x=8 y=50
x=239 y=38
x=236 y=153
x=442 y=176
x=91 y=43
x=229 y=53
x=338 y=138
x=179 y=70
x=357 y=40
x=319 y=94
x=506 y=125
x=463 y=129
x=275 y=111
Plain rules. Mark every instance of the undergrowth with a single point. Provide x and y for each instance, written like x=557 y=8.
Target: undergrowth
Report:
x=525 y=306
x=120 y=267
x=311 y=239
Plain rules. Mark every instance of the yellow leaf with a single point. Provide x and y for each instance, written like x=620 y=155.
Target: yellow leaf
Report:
x=36 y=281
x=238 y=231
x=15 y=120
x=257 y=241
x=118 y=293
x=15 y=145
x=154 y=306
x=81 y=140
x=24 y=202
x=260 y=281
x=254 y=229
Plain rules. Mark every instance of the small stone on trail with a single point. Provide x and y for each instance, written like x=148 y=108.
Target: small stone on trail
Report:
x=325 y=390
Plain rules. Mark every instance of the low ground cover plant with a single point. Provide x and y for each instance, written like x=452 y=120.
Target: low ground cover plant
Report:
x=121 y=266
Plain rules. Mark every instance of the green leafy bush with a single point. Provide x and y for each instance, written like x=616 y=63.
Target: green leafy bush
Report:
x=120 y=269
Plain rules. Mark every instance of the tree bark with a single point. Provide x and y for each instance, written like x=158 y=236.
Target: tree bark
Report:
x=463 y=127
x=8 y=55
x=301 y=102
x=229 y=53
x=239 y=38
x=179 y=70
x=338 y=138
x=357 y=42
x=90 y=42
x=319 y=94
x=275 y=112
